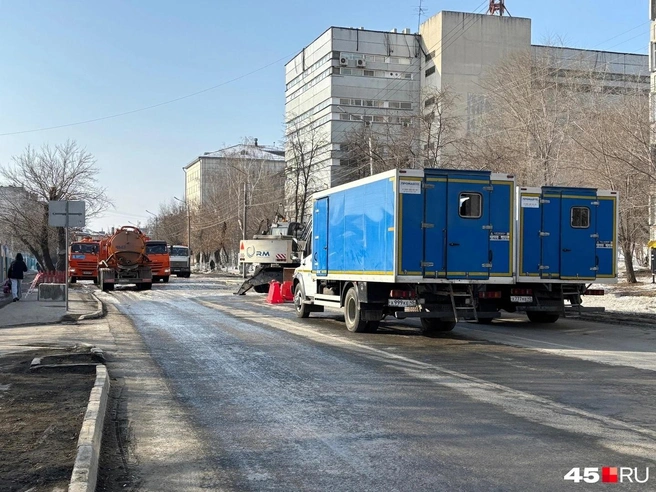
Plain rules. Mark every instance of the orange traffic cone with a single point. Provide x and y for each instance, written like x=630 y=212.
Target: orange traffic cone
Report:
x=275 y=295
x=287 y=293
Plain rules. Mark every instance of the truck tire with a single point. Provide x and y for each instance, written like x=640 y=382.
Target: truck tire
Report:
x=165 y=279
x=352 y=314
x=95 y=280
x=302 y=309
x=542 y=317
x=261 y=289
x=73 y=280
x=431 y=326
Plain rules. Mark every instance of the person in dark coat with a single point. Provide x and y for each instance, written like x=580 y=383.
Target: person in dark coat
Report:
x=16 y=272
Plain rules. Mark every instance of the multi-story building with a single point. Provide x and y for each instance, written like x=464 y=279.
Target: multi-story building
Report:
x=204 y=174
x=349 y=77
x=346 y=79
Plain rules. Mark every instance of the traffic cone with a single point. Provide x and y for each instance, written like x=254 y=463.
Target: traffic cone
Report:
x=275 y=295
x=287 y=293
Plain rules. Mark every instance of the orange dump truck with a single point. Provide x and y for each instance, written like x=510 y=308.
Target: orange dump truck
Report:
x=83 y=260
x=122 y=260
x=160 y=260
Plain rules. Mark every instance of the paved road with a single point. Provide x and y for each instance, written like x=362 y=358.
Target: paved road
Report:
x=288 y=404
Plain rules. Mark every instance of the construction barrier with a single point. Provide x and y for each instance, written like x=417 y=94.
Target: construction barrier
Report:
x=287 y=293
x=275 y=293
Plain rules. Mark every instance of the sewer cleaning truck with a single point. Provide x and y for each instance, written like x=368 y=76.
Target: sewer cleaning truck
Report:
x=123 y=260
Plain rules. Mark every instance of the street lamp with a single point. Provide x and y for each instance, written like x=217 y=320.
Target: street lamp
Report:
x=156 y=228
x=188 y=223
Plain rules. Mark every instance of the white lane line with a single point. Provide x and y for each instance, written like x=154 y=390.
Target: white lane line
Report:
x=613 y=434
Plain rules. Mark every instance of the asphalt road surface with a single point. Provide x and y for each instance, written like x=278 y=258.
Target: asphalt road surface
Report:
x=281 y=403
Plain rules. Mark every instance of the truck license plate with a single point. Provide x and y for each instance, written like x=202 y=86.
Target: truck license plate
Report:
x=86 y=273
x=402 y=302
x=521 y=298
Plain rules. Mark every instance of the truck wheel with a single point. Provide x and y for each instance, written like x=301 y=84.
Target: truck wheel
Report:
x=541 y=317
x=95 y=280
x=372 y=326
x=352 y=314
x=431 y=326
x=485 y=321
x=302 y=309
x=165 y=279
x=73 y=280
x=261 y=289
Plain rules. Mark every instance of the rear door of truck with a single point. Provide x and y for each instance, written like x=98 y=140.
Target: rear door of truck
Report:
x=607 y=231
x=457 y=224
x=569 y=233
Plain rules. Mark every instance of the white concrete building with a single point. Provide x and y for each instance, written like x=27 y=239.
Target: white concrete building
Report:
x=203 y=173
x=348 y=77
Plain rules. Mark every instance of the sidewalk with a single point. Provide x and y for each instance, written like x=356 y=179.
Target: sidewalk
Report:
x=30 y=312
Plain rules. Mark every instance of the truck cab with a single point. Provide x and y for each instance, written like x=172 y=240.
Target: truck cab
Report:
x=160 y=262
x=180 y=259
x=83 y=260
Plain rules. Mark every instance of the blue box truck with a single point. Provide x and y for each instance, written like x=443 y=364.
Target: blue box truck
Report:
x=445 y=245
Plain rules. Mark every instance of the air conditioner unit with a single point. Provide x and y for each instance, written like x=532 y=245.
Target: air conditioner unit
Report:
x=343 y=61
x=361 y=63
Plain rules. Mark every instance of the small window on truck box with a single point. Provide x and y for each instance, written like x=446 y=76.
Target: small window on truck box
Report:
x=471 y=205
x=580 y=217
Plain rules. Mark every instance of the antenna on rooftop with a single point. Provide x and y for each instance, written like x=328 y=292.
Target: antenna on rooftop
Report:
x=497 y=6
x=420 y=11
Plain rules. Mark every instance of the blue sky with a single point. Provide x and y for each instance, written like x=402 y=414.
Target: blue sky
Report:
x=66 y=61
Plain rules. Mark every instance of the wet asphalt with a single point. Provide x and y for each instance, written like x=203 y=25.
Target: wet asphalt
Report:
x=288 y=404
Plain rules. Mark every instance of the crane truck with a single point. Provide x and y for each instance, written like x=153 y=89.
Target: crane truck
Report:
x=270 y=254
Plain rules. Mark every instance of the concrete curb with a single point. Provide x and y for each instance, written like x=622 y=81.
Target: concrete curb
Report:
x=98 y=313
x=85 y=471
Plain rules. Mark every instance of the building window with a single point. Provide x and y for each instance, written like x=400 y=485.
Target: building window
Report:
x=429 y=71
x=429 y=56
x=346 y=71
x=580 y=217
x=406 y=105
x=470 y=205
x=369 y=73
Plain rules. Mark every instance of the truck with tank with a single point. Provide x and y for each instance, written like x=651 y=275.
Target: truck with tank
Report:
x=123 y=260
x=450 y=245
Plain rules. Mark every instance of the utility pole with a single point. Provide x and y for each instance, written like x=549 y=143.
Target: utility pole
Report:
x=156 y=228
x=652 y=137
x=243 y=225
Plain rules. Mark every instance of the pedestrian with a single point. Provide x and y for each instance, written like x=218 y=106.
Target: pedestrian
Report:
x=15 y=273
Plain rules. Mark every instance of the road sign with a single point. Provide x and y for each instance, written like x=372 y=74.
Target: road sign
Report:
x=66 y=213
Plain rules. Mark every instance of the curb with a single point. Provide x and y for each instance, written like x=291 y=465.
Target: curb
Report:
x=98 y=313
x=85 y=471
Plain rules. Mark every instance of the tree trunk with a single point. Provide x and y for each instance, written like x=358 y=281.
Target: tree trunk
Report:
x=628 y=263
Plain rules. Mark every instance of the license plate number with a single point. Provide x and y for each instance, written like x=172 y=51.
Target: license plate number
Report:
x=86 y=273
x=521 y=298
x=402 y=302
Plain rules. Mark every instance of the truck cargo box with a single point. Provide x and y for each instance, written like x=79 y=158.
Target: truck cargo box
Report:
x=433 y=226
x=567 y=235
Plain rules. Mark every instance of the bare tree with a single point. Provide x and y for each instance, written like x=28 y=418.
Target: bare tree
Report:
x=614 y=145
x=305 y=150
x=63 y=172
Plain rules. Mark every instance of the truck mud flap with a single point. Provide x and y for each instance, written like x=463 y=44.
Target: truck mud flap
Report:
x=261 y=276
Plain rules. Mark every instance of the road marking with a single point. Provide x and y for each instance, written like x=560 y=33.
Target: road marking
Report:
x=611 y=433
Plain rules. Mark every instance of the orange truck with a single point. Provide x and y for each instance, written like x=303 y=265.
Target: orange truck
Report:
x=160 y=260
x=83 y=260
x=122 y=260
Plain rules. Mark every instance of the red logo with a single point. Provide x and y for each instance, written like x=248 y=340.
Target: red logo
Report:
x=609 y=474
